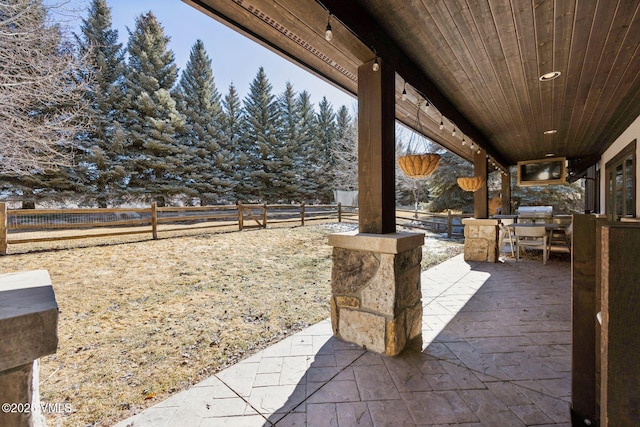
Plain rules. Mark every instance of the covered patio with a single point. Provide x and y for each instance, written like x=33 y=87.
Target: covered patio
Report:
x=500 y=84
x=503 y=85
x=496 y=351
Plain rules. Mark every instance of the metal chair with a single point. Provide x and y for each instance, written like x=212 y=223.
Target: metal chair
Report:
x=506 y=234
x=534 y=238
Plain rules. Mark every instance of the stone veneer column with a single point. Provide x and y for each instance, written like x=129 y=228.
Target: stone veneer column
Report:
x=28 y=331
x=376 y=300
x=481 y=240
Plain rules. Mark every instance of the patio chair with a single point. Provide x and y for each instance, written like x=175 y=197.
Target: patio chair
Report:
x=534 y=238
x=506 y=234
x=560 y=238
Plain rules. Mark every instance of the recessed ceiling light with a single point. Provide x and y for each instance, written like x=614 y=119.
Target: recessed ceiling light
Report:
x=549 y=155
x=550 y=76
x=550 y=132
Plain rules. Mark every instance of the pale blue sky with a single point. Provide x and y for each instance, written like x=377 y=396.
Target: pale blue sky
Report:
x=235 y=58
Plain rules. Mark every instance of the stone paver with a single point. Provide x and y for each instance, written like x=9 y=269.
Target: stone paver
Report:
x=496 y=351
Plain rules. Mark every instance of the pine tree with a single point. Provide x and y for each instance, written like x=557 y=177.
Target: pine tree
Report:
x=345 y=152
x=565 y=198
x=261 y=142
x=208 y=174
x=308 y=141
x=444 y=191
x=232 y=136
x=102 y=144
x=344 y=122
x=153 y=157
x=289 y=149
x=322 y=157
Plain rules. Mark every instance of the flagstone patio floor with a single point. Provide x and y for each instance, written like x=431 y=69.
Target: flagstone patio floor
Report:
x=496 y=352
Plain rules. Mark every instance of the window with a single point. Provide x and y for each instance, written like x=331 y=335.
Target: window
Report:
x=621 y=184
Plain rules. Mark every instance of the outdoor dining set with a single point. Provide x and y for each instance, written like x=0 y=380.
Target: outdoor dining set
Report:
x=535 y=227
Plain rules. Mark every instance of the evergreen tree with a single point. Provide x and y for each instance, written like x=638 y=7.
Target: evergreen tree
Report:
x=154 y=159
x=444 y=191
x=565 y=198
x=102 y=144
x=261 y=142
x=322 y=156
x=290 y=149
x=409 y=191
x=308 y=141
x=345 y=152
x=208 y=174
x=344 y=122
x=232 y=136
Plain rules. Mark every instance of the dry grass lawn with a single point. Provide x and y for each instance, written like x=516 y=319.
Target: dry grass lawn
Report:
x=140 y=321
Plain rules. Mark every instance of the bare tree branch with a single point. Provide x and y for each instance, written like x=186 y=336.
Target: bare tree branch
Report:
x=41 y=91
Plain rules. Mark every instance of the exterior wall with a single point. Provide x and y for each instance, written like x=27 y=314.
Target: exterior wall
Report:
x=632 y=132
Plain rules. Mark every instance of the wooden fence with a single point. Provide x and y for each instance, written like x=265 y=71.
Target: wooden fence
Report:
x=450 y=223
x=19 y=226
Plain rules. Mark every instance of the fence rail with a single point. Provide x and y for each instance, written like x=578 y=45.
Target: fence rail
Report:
x=437 y=222
x=19 y=226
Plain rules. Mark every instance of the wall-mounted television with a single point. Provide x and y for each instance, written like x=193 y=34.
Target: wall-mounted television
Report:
x=542 y=172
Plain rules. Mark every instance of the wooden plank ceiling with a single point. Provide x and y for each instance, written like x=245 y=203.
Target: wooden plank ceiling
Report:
x=477 y=62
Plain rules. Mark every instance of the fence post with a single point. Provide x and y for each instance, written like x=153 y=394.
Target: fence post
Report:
x=449 y=226
x=339 y=212
x=240 y=216
x=3 y=228
x=264 y=215
x=302 y=213
x=154 y=220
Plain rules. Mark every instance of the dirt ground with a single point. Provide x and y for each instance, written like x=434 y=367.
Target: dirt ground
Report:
x=141 y=321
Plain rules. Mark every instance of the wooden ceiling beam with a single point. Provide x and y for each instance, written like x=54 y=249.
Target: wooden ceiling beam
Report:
x=364 y=27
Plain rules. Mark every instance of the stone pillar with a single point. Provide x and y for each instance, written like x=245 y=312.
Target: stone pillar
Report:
x=28 y=331
x=481 y=240
x=376 y=300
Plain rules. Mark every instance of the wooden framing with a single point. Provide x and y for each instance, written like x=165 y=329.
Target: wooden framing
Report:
x=583 y=315
x=620 y=339
x=506 y=194
x=481 y=196
x=376 y=148
x=530 y=171
x=611 y=201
